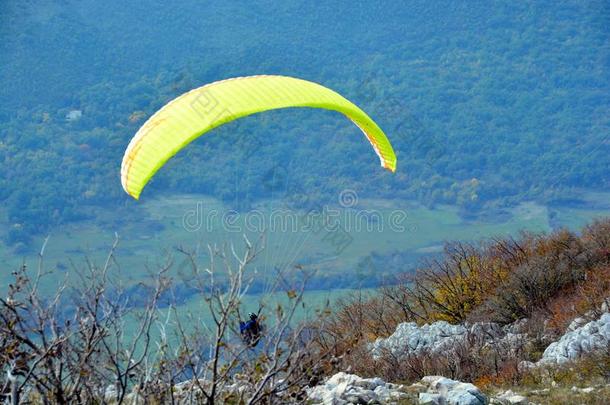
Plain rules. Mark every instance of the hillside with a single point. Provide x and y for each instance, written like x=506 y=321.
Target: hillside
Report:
x=529 y=315
x=511 y=320
x=269 y=259
x=487 y=104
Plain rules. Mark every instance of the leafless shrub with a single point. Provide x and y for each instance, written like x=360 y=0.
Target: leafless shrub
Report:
x=355 y=320
x=555 y=263
x=61 y=355
x=596 y=237
x=89 y=344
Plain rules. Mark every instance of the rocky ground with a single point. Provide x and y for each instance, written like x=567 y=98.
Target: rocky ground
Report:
x=581 y=338
x=409 y=339
x=345 y=389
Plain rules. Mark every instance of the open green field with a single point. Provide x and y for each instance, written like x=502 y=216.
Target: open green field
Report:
x=193 y=222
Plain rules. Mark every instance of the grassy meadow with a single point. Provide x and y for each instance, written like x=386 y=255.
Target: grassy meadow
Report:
x=192 y=222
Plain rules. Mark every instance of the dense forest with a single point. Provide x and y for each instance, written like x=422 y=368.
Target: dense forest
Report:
x=487 y=103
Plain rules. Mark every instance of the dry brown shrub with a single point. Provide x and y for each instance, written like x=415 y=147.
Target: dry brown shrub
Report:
x=556 y=263
x=449 y=288
x=596 y=238
x=467 y=359
x=582 y=300
x=370 y=317
x=513 y=277
x=536 y=277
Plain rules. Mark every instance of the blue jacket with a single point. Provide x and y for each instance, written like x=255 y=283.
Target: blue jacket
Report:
x=251 y=326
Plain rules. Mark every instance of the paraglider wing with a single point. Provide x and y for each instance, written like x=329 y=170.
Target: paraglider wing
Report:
x=200 y=110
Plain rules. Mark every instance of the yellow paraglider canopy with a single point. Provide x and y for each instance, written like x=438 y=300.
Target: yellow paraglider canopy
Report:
x=200 y=110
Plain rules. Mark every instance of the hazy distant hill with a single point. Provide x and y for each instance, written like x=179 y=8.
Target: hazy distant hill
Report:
x=487 y=103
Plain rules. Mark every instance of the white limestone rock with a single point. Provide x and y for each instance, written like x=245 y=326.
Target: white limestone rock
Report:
x=426 y=398
x=451 y=392
x=583 y=339
x=408 y=338
x=343 y=388
x=509 y=398
x=586 y=390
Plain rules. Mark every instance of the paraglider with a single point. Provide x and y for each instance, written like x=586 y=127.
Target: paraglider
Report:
x=250 y=330
x=198 y=111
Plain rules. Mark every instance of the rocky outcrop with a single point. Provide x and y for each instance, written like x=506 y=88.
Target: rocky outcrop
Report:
x=346 y=389
x=509 y=398
x=408 y=338
x=343 y=388
x=440 y=337
x=440 y=391
x=578 y=340
x=435 y=338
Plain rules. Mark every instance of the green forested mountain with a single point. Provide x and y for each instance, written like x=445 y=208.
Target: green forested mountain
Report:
x=487 y=103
